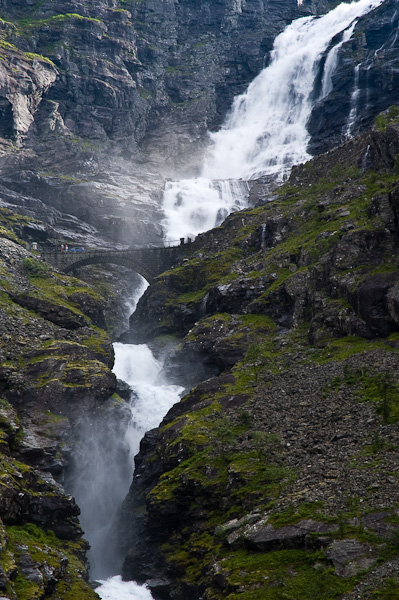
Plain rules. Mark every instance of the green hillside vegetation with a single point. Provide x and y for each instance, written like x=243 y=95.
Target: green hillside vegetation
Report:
x=230 y=459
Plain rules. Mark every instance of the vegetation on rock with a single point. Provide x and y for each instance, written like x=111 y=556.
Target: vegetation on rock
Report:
x=54 y=365
x=277 y=478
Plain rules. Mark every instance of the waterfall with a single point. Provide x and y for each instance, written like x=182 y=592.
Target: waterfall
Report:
x=151 y=399
x=195 y=205
x=152 y=396
x=116 y=589
x=104 y=459
x=354 y=104
x=265 y=132
x=332 y=62
x=263 y=135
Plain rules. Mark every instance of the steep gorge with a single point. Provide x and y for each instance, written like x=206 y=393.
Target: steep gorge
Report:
x=277 y=477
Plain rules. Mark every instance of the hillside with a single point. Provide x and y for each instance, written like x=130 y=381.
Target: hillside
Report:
x=276 y=475
x=277 y=478
x=55 y=362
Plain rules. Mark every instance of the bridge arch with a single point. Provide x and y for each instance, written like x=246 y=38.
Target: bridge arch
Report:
x=130 y=263
x=148 y=262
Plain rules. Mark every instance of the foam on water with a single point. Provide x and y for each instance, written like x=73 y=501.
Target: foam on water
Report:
x=116 y=589
x=151 y=400
x=137 y=365
x=265 y=133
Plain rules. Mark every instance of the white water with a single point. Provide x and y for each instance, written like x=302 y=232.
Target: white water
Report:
x=116 y=589
x=151 y=400
x=131 y=303
x=105 y=460
x=354 y=103
x=136 y=365
x=265 y=132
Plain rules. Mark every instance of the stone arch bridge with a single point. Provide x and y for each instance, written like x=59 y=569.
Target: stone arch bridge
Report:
x=148 y=261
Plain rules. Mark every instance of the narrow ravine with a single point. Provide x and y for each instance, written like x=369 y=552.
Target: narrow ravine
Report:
x=264 y=135
x=151 y=399
x=105 y=460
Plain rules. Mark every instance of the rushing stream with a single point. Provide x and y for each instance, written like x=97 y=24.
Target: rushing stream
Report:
x=105 y=461
x=264 y=134
x=150 y=401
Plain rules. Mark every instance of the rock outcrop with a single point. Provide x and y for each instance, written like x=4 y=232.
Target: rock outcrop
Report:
x=55 y=366
x=278 y=476
x=100 y=100
x=364 y=82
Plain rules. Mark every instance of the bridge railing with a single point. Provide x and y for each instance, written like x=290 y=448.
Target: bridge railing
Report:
x=157 y=245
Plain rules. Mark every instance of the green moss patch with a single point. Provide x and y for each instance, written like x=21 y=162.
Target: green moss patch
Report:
x=379 y=388
x=50 y=557
x=389 y=590
x=281 y=575
x=386 y=118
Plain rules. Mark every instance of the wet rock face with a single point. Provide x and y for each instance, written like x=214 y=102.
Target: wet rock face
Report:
x=93 y=91
x=364 y=82
x=23 y=89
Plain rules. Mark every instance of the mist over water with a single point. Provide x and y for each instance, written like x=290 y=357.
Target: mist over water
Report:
x=104 y=459
x=265 y=132
x=151 y=399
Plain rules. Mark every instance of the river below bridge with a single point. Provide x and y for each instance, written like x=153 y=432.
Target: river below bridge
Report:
x=265 y=133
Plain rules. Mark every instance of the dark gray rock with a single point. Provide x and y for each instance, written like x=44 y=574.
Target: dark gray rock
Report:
x=350 y=556
x=266 y=537
x=372 y=51
x=119 y=96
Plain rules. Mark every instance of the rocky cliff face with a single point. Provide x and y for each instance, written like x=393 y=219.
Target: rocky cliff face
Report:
x=365 y=81
x=54 y=367
x=277 y=478
x=100 y=101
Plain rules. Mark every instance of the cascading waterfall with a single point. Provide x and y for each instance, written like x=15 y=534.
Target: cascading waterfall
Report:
x=105 y=460
x=151 y=400
x=265 y=132
x=332 y=62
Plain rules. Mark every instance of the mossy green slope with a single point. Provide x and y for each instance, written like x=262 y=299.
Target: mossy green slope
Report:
x=300 y=428
x=55 y=362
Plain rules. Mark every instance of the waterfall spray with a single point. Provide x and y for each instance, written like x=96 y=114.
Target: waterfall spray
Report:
x=106 y=446
x=265 y=132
